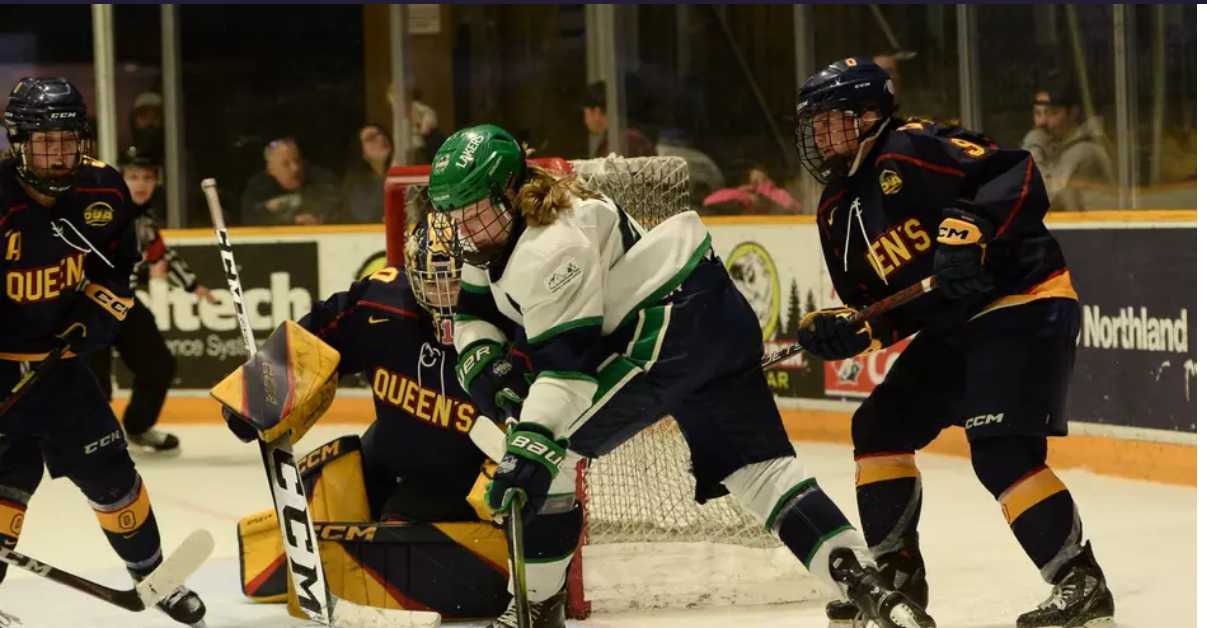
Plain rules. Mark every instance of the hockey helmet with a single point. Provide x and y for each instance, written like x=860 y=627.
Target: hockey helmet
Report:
x=471 y=175
x=833 y=109
x=51 y=106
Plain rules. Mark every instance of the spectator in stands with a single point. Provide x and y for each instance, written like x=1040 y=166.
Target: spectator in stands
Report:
x=595 y=118
x=1068 y=149
x=372 y=153
x=755 y=195
x=146 y=126
x=289 y=190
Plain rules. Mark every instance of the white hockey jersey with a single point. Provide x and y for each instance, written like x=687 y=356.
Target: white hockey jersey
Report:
x=569 y=284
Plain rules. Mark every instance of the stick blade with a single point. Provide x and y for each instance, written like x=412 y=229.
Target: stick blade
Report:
x=345 y=614
x=176 y=568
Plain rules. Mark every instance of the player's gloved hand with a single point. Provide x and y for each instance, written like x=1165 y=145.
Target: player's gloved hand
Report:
x=830 y=335
x=92 y=318
x=494 y=380
x=527 y=469
x=960 y=254
x=239 y=426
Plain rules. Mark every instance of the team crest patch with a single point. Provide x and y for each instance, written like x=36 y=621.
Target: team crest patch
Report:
x=440 y=164
x=890 y=182
x=559 y=280
x=98 y=214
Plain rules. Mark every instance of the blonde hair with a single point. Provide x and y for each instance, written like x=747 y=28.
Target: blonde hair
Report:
x=544 y=196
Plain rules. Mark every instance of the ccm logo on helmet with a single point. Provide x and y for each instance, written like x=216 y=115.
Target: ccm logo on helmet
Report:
x=62 y=114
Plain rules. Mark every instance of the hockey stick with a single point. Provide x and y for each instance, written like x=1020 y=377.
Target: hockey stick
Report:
x=519 y=572
x=289 y=494
x=31 y=378
x=171 y=573
x=876 y=309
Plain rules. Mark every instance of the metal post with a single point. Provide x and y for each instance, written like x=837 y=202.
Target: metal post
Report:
x=605 y=61
x=104 y=69
x=173 y=116
x=683 y=40
x=805 y=63
x=400 y=65
x=970 y=86
x=1125 y=110
x=1159 y=92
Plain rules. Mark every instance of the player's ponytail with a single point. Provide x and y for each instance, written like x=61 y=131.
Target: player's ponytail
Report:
x=544 y=196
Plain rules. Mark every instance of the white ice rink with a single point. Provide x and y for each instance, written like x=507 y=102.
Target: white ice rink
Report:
x=1143 y=534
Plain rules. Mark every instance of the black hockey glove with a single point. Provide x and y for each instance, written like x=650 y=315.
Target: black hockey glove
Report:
x=92 y=318
x=830 y=335
x=960 y=255
x=494 y=379
x=527 y=469
x=239 y=426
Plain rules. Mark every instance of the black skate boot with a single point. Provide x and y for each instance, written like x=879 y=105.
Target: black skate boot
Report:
x=154 y=441
x=1079 y=599
x=550 y=613
x=873 y=596
x=903 y=570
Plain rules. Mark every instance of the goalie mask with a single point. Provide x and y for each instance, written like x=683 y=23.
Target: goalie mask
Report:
x=47 y=126
x=433 y=265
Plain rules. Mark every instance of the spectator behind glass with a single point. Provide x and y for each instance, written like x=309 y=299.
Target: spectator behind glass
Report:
x=143 y=177
x=426 y=138
x=371 y=155
x=1068 y=149
x=755 y=195
x=595 y=118
x=146 y=126
x=289 y=191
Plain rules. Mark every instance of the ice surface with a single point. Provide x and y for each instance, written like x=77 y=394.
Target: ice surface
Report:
x=1143 y=534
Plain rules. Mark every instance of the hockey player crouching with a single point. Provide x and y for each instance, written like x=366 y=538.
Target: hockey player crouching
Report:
x=419 y=464
x=624 y=327
x=69 y=247
x=994 y=351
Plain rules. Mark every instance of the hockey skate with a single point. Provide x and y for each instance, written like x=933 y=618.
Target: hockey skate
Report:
x=155 y=442
x=550 y=613
x=872 y=595
x=1080 y=599
x=183 y=605
x=903 y=570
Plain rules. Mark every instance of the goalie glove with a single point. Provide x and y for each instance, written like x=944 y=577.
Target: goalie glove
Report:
x=960 y=255
x=527 y=470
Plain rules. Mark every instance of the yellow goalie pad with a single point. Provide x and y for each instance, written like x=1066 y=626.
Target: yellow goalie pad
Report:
x=456 y=569
x=286 y=386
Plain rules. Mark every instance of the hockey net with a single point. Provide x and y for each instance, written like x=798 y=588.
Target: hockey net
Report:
x=647 y=543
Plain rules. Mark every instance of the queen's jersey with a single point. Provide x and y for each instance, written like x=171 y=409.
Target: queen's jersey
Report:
x=380 y=331
x=47 y=253
x=878 y=226
x=566 y=285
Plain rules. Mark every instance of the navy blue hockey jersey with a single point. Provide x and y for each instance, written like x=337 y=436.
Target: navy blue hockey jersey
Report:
x=422 y=412
x=45 y=255
x=879 y=226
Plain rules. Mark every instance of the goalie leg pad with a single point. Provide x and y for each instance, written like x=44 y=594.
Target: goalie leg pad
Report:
x=119 y=497
x=20 y=474
x=286 y=386
x=795 y=508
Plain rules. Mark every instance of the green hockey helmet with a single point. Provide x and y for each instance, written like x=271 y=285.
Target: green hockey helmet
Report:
x=475 y=163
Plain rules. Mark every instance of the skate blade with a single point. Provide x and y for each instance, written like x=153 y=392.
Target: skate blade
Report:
x=142 y=451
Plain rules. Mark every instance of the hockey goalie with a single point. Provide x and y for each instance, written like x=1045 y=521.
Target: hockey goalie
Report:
x=399 y=511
